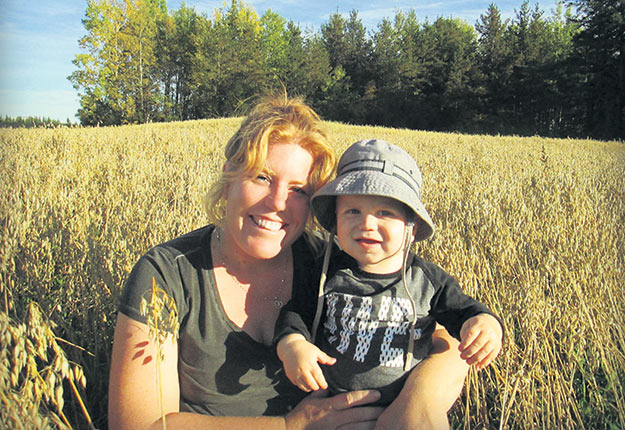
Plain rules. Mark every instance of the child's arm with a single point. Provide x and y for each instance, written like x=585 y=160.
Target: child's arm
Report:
x=481 y=338
x=300 y=359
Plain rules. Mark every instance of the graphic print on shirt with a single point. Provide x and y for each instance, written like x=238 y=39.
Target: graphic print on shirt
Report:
x=366 y=329
x=347 y=325
x=330 y=322
x=379 y=329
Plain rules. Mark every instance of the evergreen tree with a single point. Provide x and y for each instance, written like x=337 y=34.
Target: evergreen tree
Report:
x=230 y=66
x=357 y=65
x=176 y=52
x=528 y=36
x=495 y=65
x=275 y=40
x=449 y=57
x=410 y=102
x=600 y=57
x=385 y=64
x=338 y=103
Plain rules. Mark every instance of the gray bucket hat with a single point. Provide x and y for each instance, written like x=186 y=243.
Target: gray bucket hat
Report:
x=374 y=168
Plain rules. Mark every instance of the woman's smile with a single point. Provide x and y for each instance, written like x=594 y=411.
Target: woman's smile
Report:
x=267 y=224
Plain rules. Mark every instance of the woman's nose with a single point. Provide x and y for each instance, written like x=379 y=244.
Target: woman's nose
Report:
x=277 y=198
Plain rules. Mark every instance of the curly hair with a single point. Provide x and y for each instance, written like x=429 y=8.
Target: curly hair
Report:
x=275 y=119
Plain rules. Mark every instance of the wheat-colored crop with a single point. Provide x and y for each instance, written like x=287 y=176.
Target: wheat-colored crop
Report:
x=533 y=227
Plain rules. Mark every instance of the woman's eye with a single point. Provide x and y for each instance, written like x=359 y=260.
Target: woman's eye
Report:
x=299 y=190
x=262 y=178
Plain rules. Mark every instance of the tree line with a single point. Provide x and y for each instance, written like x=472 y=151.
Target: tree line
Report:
x=32 y=122
x=558 y=75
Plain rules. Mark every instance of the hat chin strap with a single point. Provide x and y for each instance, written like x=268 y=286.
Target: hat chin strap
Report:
x=322 y=281
x=408 y=236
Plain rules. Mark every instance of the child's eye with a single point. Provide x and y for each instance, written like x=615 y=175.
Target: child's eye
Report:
x=387 y=214
x=352 y=211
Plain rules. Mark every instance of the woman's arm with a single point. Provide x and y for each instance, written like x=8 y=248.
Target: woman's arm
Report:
x=314 y=412
x=431 y=389
x=134 y=394
x=134 y=401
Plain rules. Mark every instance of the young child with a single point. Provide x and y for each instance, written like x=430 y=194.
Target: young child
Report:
x=380 y=303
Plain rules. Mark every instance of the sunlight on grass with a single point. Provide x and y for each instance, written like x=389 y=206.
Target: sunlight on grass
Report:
x=533 y=227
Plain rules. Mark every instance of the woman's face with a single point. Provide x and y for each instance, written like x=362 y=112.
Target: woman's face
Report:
x=266 y=213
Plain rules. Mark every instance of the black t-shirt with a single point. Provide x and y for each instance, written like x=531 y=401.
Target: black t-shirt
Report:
x=367 y=317
x=222 y=370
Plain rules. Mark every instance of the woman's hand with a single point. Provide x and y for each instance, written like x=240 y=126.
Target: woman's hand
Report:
x=430 y=390
x=338 y=412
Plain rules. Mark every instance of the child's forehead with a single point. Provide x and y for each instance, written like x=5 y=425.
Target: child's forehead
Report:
x=368 y=200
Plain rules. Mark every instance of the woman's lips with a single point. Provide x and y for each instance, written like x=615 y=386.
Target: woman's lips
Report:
x=268 y=224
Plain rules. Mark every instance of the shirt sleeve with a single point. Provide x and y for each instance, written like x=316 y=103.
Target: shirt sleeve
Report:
x=449 y=305
x=154 y=269
x=297 y=315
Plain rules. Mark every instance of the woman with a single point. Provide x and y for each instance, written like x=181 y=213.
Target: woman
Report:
x=229 y=282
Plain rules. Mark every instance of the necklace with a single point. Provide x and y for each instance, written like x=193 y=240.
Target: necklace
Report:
x=276 y=300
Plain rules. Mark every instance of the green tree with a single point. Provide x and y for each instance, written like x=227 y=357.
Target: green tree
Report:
x=357 y=66
x=495 y=66
x=233 y=59
x=308 y=72
x=410 y=101
x=320 y=81
x=600 y=59
x=275 y=41
x=531 y=57
x=116 y=76
x=338 y=101
x=448 y=55
x=176 y=51
x=334 y=39
x=385 y=64
x=562 y=98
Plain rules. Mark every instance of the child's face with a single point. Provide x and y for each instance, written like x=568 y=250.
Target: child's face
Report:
x=371 y=229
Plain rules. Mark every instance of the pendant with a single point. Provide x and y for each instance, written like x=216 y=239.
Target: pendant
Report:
x=277 y=303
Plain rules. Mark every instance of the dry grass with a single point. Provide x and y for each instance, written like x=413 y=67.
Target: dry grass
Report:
x=531 y=226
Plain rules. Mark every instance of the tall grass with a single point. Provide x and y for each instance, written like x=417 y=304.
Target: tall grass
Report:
x=533 y=227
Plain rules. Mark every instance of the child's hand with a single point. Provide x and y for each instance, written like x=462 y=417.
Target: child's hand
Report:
x=481 y=338
x=300 y=359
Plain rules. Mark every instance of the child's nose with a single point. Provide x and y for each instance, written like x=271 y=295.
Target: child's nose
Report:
x=369 y=222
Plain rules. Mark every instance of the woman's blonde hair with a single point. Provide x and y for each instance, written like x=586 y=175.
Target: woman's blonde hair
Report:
x=275 y=119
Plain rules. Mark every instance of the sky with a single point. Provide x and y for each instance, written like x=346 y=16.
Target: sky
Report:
x=39 y=39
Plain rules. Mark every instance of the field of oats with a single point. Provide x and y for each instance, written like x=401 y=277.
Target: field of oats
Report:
x=533 y=227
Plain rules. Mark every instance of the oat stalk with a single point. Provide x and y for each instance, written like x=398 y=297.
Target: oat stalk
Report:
x=162 y=320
